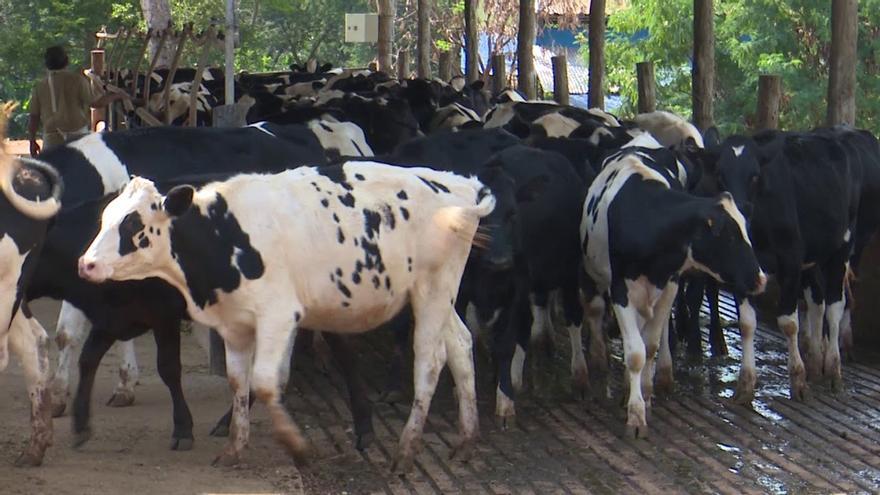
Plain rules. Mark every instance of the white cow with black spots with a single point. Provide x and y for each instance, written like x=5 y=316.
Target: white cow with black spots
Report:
x=341 y=248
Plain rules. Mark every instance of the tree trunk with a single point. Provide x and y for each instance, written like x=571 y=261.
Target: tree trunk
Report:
x=647 y=87
x=704 y=64
x=424 y=42
x=525 y=40
x=471 y=41
x=386 y=35
x=842 y=65
x=769 y=94
x=560 y=79
x=596 y=89
x=157 y=13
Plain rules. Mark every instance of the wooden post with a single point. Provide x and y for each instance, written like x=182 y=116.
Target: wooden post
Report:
x=471 y=41
x=525 y=41
x=769 y=94
x=208 y=40
x=402 y=65
x=647 y=87
x=114 y=60
x=97 y=62
x=423 y=65
x=560 y=79
x=159 y=51
x=386 y=28
x=596 y=40
x=139 y=61
x=445 y=66
x=499 y=74
x=842 y=63
x=172 y=71
x=703 y=72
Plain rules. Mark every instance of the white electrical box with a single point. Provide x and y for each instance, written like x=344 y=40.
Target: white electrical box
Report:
x=361 y=28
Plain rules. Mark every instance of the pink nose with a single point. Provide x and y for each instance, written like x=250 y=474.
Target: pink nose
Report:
x=86 y=269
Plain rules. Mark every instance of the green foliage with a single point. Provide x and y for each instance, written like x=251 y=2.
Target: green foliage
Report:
x=752 y=37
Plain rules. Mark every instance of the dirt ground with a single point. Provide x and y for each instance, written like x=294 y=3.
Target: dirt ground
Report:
x=699 y=441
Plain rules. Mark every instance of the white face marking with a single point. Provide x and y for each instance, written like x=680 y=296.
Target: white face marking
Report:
x=737 y=150
x=261 y=126
x=596 y=136
x=114 y=175
x=737 y=216
x=847 y=235
x=345 y=137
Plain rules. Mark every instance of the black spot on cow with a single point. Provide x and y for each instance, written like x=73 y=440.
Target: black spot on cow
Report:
x=345 y=304
x=158 y=231
x=325 y=127
x=213 y=251
x=336 y=174
x=356 y=244
x=482 y=193
x=338 y=272
x=325 y=203
x=342 y=288
x=402 y=194
x=332 y=277
x=434 y=185
x=130 y=226
x=339 y=235
x=316 y=186
x=151 y=229
x=409 y=263
x=296 y=316
x=356 y=277
x=388 y=216
x=372 y=256
x=359 y=177
x=144 y=242
x=358 y=266
x=154 y=206
x=347 y=200
x=376 y=282
x=336 y=218
x=372 y=220
x=404 y=213
x=387 y=282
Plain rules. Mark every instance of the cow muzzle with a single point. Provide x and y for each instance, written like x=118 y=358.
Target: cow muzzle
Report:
x=89 y=269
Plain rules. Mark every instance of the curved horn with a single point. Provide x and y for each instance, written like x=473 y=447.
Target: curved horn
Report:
x=40 y=209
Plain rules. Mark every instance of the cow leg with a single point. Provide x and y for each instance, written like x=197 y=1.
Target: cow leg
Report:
x=28 y=340
x=541 y=330
x=167 y=338
x=574 y=321
x=814 y=296
x=790 y=283
x=400 y=328
x=123 y=394
x=238 y=371
x=96 y=345
x=634 y=360
x=696 y=286
x=594 y=314
x=429 y=351
x=321 y=350
x=508 y=356
x=273 y=336
x=361 y=406
x=745 y=386
x=655 y=329
x=459 y=352
x=846 y=335
x=835 y=272
x=69 y=333
x=716 y=333
x=665 y=381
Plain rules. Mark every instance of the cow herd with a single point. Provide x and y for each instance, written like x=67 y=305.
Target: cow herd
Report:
x=353 y=201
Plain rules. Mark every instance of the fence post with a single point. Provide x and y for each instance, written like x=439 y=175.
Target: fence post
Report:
x=402 y=64
x=647 y=87
x=769 y=94
x=499 y=74
x=445 y=64
x=97 y=62
x=560 y=79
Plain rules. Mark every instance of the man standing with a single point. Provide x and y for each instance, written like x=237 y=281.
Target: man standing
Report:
x=61 y=103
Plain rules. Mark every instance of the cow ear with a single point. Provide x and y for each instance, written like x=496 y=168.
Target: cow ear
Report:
x=178 y=200
x=532 y=189
x=477 y=85
x=711 y=137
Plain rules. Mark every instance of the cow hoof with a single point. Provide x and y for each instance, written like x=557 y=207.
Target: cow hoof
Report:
x=580 y=383
x=836 y=383
x=182 y=443
x=799 y=389
x=402 y=464
x=121 y=398
x=393 y=396
x=58 y=408
x=363 y=441
x=220 y=430
x=664 y=383
x=29 y=459
x=464 y=451
x=634 y=432
x=226 y=459
x=81 y=437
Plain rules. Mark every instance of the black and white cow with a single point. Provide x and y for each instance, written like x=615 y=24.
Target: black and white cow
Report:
x=31 y=191
x=640 y=231
x=98 y=165
x=345 y=228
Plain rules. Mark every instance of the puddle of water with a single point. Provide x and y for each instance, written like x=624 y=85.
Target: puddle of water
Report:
x=764 y=410
x=772 y=485
x=727 y=448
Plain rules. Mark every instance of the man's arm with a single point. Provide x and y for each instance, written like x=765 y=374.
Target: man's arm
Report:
x=106 y=99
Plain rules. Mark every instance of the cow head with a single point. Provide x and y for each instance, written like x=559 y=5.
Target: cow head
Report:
x=134 y=241
x=721 y=247
x=733 y=166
